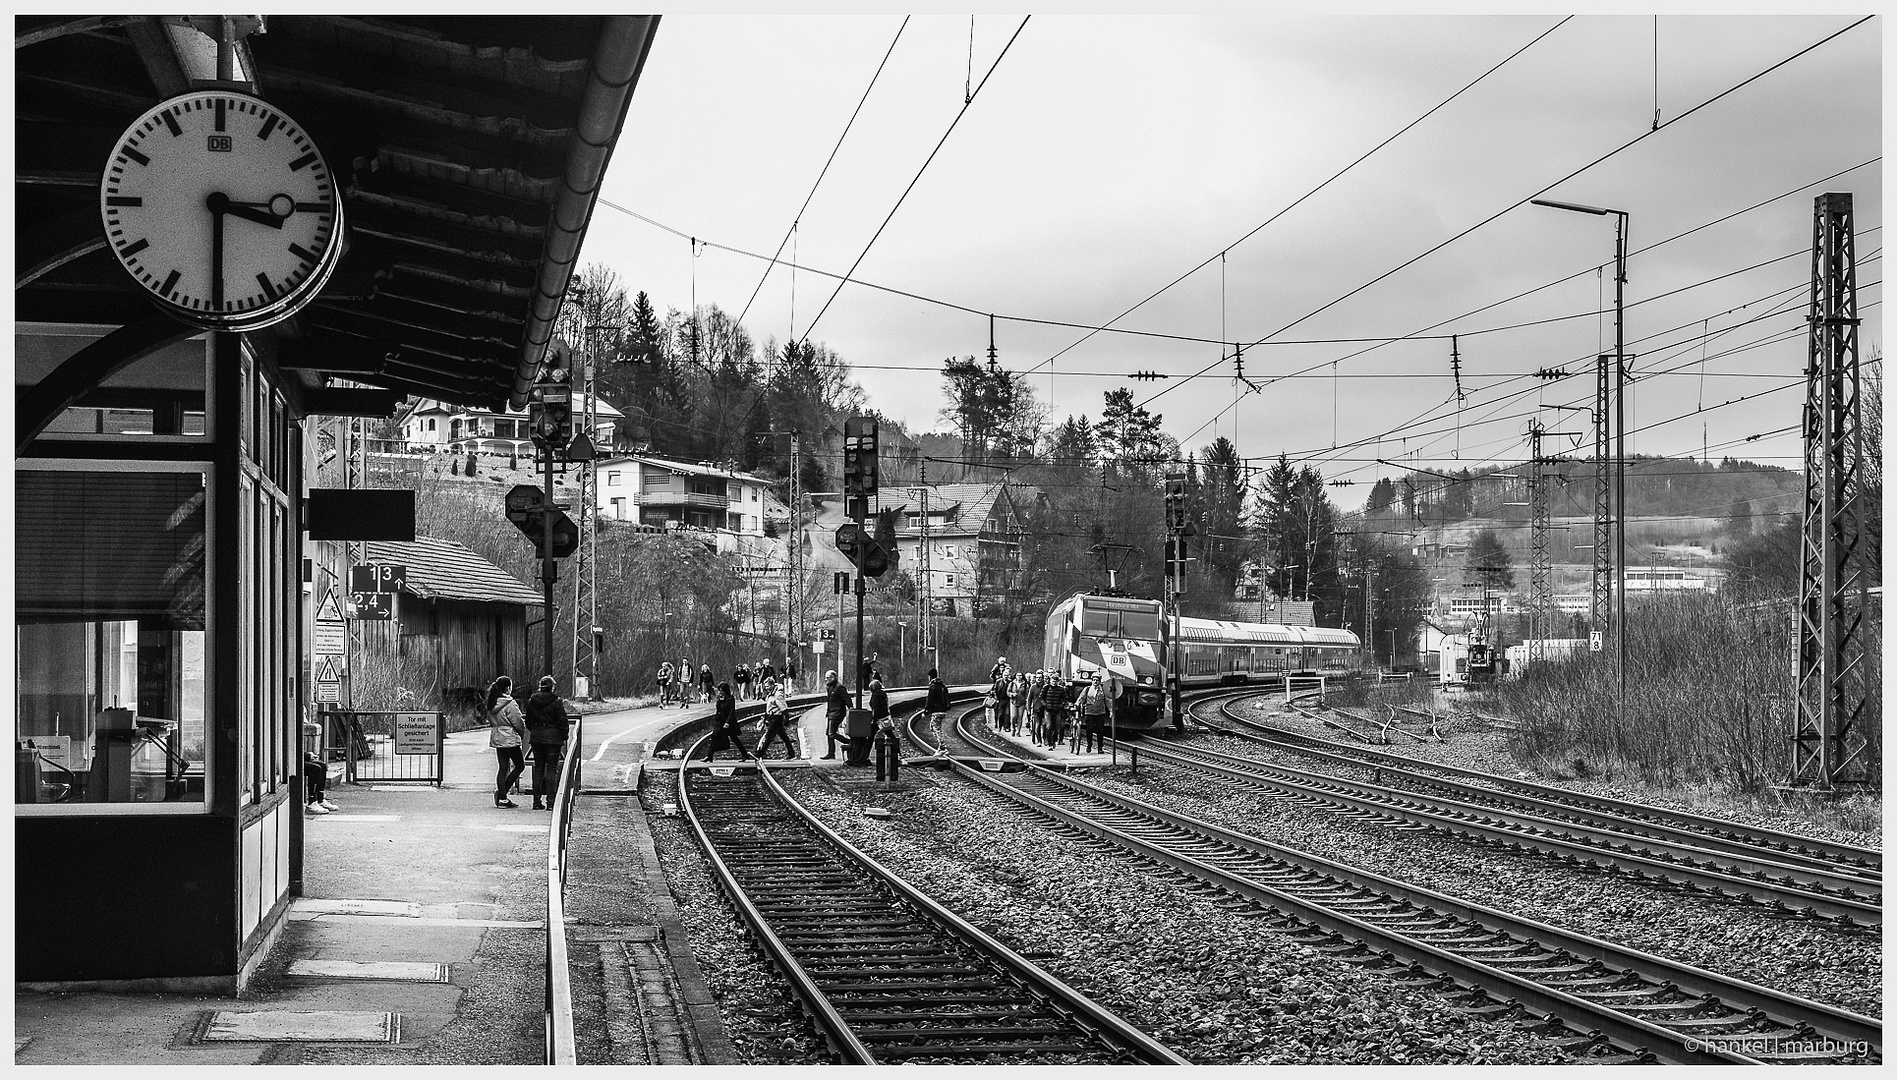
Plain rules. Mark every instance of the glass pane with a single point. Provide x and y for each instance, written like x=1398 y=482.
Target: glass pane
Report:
x=161 y=394
x=109 y=622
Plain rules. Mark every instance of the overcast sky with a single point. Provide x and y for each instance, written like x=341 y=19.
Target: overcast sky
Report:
x=1105 y=157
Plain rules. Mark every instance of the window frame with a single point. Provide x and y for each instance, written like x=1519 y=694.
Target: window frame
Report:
x=92 y=332
x=206 y=470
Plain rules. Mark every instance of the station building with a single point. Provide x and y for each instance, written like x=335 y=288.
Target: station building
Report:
x=161 y=631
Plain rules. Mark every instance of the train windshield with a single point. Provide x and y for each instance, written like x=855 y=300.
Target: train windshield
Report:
x=1141 y=625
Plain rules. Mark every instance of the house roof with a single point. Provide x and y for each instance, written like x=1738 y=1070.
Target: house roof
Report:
x=445 y=570
x=699 y=469
x=970 y=505
x=431 y=405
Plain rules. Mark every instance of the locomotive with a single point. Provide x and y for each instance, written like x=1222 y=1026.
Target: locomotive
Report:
x=1127 y=638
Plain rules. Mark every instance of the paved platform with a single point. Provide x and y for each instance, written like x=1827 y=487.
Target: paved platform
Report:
x=421 y=934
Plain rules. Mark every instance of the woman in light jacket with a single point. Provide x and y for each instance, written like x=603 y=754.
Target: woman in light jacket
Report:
x=505 y=730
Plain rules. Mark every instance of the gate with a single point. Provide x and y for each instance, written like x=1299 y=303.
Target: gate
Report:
x=390 y=747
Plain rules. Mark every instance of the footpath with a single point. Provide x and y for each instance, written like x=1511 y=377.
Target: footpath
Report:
x=421 y=935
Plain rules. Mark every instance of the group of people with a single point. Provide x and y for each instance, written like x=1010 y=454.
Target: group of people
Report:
x=1050 y=709
x=753 y=682
x=540 y=724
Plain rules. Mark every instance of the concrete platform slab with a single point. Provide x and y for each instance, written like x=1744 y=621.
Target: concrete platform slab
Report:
x=282 y=1025
x=392 y=908
x=397 y=970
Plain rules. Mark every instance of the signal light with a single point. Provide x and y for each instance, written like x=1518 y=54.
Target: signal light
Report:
x=859 y=457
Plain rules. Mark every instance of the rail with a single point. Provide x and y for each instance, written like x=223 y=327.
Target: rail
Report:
x=561 y=1047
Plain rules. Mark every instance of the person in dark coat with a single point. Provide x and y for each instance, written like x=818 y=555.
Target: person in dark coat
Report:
x=937 y=706
x=547 y=726
x=836 y=706
x=727 y=731
x=742 y=677
x=1054 y=698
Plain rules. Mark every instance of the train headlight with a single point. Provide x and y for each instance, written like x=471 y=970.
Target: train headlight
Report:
x=1146 y=680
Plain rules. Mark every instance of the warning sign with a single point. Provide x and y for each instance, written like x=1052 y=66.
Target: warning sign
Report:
x=331 y=638
x=329 y=693
x=327 y=670
x=329 y=610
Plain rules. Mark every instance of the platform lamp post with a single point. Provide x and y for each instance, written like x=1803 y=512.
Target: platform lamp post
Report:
x=1619 y=623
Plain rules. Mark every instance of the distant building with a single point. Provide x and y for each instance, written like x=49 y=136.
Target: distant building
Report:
x=458 y=622
x=430 y=425
x=974 y=536
x=677 y=495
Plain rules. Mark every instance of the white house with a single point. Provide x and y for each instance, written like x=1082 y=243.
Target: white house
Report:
x=431 y=425
x=679 y=495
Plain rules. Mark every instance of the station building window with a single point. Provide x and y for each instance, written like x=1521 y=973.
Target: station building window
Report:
x=109 y=631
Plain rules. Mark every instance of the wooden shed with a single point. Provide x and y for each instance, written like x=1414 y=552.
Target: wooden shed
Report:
x=458 y=621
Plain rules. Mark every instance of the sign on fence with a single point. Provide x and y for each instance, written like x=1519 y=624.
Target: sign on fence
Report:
x=415 y=732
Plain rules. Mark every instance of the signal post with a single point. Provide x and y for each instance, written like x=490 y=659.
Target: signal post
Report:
x=1178 y=527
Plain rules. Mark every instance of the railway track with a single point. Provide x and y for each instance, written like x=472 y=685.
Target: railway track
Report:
x=884 y=973
x=1491 y=789
x=1782 y=886
x=1625 y=1004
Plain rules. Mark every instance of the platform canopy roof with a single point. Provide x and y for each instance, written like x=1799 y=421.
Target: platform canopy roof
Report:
x=469 y=149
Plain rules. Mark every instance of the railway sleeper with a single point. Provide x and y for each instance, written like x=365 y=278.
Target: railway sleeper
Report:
x=959 y=1033
x=967 y=1014
x=1077 y=1049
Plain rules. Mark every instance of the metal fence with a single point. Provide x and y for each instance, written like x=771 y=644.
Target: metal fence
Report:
x=386 y=747
x=561 y=1047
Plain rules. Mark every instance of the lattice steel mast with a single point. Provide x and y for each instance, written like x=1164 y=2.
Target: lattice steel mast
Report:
x=1540 y=574
x=585 y=576
x=1828 y=734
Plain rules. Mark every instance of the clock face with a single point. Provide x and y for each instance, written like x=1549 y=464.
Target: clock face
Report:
x=222 y=208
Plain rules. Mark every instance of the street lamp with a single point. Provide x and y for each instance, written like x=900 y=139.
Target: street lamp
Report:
x=1620 y=434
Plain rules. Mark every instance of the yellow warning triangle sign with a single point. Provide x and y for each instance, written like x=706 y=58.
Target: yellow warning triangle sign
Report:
x=328 y=610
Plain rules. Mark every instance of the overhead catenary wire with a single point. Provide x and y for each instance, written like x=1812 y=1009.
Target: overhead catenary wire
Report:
x=966 y=105
x=1643 y=136
x=821 y=173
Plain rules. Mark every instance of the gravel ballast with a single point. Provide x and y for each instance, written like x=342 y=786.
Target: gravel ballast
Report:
x=1795 y=955
x=1214 y=986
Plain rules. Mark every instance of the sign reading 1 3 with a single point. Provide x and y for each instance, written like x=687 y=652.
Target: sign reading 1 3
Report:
x=222 y=209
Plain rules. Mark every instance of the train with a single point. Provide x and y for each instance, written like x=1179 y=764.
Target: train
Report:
x=1127 y=638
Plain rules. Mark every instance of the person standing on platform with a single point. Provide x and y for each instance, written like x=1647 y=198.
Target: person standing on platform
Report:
x=836 y=706
x=506 y=730
x=706 y=681
x=937 y=706
x=687 y=674
x=776 y=723
x=1003 y=703
x=1096 y=713
x=1033 y=719
x=727 y=732
x=1018 y=693
x=763 y=671
x=665 y=682
x=742 y=678
x=1054 y=699
x=790 y=677
x=547 y=727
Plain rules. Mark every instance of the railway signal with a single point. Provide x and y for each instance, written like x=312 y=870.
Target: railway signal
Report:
x=1175 y=502
x=859 y=464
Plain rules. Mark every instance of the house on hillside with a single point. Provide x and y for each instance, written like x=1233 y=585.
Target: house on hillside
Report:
x=458 y=622
x=680 y=495
x=973 y=535
x=432 y=426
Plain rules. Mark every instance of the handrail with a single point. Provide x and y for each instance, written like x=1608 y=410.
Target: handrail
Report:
x=560 y=1044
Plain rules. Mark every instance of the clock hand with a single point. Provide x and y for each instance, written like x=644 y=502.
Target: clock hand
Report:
x=252 y=212
x=218 y=203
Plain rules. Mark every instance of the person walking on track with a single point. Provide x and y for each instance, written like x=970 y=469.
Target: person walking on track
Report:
x=776 y=725
x=547 y=726
x=727 y=732
x=937 y=706
x=836 y=706
x=506 y=730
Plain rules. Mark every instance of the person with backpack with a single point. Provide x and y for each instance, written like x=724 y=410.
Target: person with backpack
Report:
x=547 y=726
x=836 y=706
x=776 y=725
x=687 y=676
x=937 y=706
x=1096 y=713
x=506 y=730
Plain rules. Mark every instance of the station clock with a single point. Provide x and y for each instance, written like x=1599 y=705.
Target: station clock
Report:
x=222 y=209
